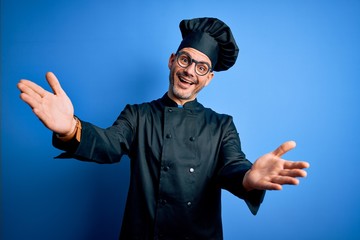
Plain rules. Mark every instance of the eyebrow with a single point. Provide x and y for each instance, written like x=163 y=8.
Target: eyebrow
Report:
x=196 y=59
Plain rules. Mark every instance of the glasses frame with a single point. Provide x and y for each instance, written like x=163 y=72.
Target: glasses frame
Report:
x=191 y=61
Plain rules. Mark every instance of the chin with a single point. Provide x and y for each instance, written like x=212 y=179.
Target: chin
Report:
x=180 y=95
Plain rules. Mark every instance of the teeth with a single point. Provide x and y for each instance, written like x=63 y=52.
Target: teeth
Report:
x=183 y=80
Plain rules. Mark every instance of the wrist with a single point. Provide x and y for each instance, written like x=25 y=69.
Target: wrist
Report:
x=247 y=186
x=72 y=130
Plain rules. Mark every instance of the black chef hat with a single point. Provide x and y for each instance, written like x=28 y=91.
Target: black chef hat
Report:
x=212 y=37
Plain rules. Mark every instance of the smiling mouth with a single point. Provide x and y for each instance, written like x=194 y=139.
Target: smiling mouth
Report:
x=186 y=81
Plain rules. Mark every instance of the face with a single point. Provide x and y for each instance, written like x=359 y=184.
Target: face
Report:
x=185 y=84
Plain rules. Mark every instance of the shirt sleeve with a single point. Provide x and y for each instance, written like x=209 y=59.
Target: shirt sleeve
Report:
x=233 y=169
x=101 y=145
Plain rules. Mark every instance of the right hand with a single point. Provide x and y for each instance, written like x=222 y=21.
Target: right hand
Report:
x=54 y=110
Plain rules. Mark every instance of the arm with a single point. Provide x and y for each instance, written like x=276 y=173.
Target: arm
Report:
x=56 y=112
x=234 y=168
x=95 y=144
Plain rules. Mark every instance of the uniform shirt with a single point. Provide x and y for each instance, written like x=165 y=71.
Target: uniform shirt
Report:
x=181 y=158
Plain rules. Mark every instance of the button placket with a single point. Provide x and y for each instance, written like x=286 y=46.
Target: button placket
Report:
x=162 y=202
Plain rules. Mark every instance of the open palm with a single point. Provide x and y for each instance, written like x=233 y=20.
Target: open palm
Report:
x=270 y=171
x=55 y=109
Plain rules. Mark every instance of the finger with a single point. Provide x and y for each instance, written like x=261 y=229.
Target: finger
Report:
x=31 y=88
x=54 y=83
x=293 y=173
x=32 y=102
x=282 y=180
x=27 y=93
x=270 y=186
x=284 y=148
x=294 y=165
x=36 y=107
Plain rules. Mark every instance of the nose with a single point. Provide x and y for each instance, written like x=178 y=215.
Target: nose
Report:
x=190 y=69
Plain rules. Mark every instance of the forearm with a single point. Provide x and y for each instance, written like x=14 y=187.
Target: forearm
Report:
x=91 y=143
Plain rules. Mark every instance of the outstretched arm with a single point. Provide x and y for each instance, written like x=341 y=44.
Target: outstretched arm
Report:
x=54 y=110
x=270 y=171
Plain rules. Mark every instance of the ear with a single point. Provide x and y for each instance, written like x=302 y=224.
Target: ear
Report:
x=171 y=60
x=209 y=78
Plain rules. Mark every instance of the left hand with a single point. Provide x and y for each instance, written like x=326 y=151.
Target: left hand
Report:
x=270 y=171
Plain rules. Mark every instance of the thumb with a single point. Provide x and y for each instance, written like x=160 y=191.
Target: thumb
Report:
x=284 y=148
x=54 y=83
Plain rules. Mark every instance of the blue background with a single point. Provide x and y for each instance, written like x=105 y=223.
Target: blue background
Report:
x=296 y=78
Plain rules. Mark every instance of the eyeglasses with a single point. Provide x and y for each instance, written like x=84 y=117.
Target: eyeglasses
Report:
x=184 y=60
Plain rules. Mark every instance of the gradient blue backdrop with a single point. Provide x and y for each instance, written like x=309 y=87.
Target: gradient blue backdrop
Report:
x=296 y=78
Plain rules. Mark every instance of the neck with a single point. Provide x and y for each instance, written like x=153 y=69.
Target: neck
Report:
x=178 y=100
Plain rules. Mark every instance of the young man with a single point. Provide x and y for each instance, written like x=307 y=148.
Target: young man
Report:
x=182 y=154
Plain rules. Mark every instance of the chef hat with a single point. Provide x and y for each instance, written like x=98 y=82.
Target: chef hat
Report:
x=212 y=37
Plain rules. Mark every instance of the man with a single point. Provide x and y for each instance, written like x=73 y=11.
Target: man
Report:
x=182 y=154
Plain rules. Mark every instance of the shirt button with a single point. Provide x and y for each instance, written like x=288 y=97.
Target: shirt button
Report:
x=166 y=168
x=192 y=139
x=163 y=201
x=168 y=135
x=170 y=110
x=191 y=170
x=189 y=204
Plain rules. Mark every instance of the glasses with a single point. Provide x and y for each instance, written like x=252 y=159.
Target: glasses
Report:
x=184 y=60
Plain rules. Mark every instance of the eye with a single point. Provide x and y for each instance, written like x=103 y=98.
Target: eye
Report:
x=184 y=59
x=202 y=68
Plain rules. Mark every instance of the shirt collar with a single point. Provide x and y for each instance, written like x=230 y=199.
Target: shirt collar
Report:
x=168 y=102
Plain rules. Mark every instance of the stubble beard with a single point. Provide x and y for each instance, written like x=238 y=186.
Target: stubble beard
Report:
x=176 y=92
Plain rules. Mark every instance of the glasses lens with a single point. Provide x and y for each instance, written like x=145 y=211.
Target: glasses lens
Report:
x=201 y=68
x=184 y=60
